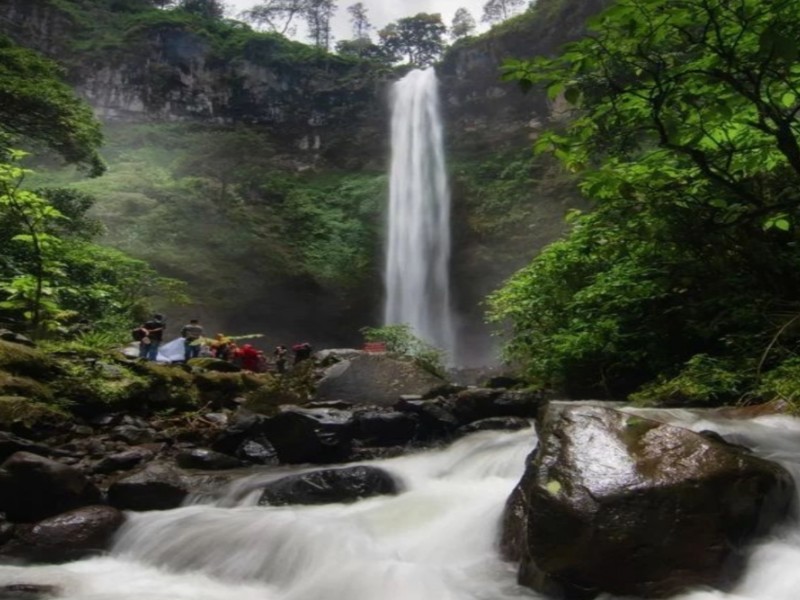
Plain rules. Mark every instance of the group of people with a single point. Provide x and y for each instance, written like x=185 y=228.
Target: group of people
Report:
x=150 y=336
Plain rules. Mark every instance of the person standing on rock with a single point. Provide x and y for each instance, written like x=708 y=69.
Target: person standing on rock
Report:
x=154 y=334
x=280 y=358
x=301 y=352
x=192 y=334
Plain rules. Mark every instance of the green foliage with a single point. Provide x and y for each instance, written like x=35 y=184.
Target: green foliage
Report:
x=419 y=39
x=686 y=136
x=24 y=415
x=782 y=383
x=50 y=271
x=36 y=104
x=399 y=339
x=703 y=381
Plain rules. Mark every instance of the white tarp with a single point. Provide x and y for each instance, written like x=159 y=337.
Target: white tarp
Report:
x=170 y=352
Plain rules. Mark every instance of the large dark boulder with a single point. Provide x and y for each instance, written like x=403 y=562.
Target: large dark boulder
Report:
x=435 y=419
x=615 y=503
x=33 y=487
x=329 y=486
x=474 y=404
x=156 y=487
x=243 y=425
x=384 y=428
x=69 y=536
x=318 y=435
x=378 y=379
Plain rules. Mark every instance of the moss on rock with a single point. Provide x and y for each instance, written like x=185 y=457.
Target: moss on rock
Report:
x=28 y=417
x=27 y=362
x=13 y=385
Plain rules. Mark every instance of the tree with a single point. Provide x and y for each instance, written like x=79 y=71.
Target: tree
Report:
x=277 y=15
x=35 y=103
x=30 y=215
x=318 y=14
x=365 y=49
x=688 y=139
x=418 y=38
x=207 y=9
x=463 y=24
x=359 y=20
x=497 y=11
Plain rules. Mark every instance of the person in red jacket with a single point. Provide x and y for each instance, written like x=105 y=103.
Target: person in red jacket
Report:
x=249 y=357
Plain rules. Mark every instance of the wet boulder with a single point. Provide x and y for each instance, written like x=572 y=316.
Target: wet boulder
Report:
x=474 y=404
x=329 y=486
x=123 y=461
x=434 y=417
x=66 y=537
x=496 y=424
x=614 y=503
x=156 y=487
x=384 y=428
x=318 y=435
x=257 y=451
x=377 y=379
x=33 y=487
x=242 y=425
x=202 y=458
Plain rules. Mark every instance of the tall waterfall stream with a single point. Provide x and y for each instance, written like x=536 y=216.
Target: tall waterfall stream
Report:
x=434 y=541
x=418 y=246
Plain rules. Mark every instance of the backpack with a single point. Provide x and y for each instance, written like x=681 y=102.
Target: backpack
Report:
x=138 y=334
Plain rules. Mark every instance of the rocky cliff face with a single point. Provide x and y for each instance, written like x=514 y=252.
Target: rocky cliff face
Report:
x=315 y=106
x=308 y=115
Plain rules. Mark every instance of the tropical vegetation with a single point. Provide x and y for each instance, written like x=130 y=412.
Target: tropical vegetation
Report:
x=686 y=137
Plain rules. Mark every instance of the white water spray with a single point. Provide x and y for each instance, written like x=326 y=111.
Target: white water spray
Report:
x=418 y=252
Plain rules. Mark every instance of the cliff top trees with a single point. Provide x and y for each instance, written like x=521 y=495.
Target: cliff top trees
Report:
x=281 y=16
x=418 y=38
x=35 y=103
x=208 y=9
x=359 y=21
x=689 y=140
x=496 y=11
x=463 y=24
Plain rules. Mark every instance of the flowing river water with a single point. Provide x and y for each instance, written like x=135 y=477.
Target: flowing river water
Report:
x=436 y=540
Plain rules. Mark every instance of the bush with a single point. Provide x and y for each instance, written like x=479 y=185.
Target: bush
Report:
x=400 y=340
x=704 y=381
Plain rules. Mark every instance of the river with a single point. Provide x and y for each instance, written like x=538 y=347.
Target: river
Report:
x=436 y=540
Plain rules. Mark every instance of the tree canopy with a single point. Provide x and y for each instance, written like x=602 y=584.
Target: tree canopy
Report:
x=420 y=39
x=686 y=135
x=36 y=103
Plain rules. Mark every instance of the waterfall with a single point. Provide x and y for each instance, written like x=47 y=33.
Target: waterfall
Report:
x=418 y=248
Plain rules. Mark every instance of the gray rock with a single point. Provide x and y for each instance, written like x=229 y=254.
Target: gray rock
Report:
x=69 y=536
x=33 y=487
x=496 y=423
x=310 y=435
x=329 y=486
x=123 y=461
x=614 y=503
x=385 y=428
x=375 y=379
x=156 y=487
x=202 y=458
